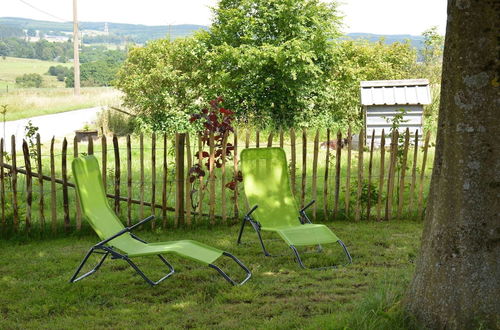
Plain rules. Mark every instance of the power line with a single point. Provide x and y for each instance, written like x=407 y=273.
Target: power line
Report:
x=43 y=11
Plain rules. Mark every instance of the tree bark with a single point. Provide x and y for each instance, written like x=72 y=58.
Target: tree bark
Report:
x=457 y=279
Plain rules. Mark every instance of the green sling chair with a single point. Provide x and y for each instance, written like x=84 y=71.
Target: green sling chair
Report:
x=267 y=188
x=119 y=242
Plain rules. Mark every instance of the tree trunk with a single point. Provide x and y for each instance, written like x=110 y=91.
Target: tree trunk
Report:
x=457 y=278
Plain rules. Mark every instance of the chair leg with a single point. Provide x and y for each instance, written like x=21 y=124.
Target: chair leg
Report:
x=241 y=230
x=92 y=250
x=226 y=277
x=149 y=281
x=301 y=264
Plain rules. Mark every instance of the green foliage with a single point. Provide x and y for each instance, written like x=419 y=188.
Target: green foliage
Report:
x=57 y=70
x=30 y=80
x=30 y=132
x=163 y=83
x=116 y=122
x=42 y=49
x=271 y=59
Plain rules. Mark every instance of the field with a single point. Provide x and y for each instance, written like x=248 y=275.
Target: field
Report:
x=365 y=295
x=13 y=67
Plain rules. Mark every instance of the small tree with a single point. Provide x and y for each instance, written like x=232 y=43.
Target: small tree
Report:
x=30 y=80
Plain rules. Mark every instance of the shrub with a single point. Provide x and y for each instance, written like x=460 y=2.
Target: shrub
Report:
x=113 y=121
x=30 y=80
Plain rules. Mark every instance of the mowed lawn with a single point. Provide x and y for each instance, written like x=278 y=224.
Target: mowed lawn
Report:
x=36 y=294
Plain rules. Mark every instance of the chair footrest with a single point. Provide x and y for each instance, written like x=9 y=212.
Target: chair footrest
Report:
x=308 y=234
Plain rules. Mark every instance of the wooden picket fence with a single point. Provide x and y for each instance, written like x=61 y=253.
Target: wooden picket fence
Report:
x=31 y=189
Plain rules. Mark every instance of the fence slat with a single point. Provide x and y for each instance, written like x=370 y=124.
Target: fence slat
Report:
x=270 y=140
x=211 y=182
x=315 y=173
x=64 y=170
x=304 y=168
x=153 y=177
x=53 y=195
x=188 y=182
x=129 y=180
x=413 y=173
x=281 y=139
x=104 y=161
x=422 y=175
x=164 y=183
x=381 y=176
x=141 y=175
x=117 y=173
x=361 y=143
x=370 y=169
x=2 y=186
x=41 y=206
x=179 y=174
x=200 y=164
x=392 y=170
x=348 y=173
x=257 y=139
x=13 y=179
x=29 y=186
x=235 y=174
x=403 y=173
x=325 y=178
x=223 y=178
x=90 y=147
x=338 y=162
x=78 y=215
x=247 y=139
x=293 y=166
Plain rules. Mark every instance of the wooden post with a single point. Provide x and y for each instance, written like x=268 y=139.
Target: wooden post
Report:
x=78 y=215
x=315 y=173
x=325 y=180
x=29 y=185
x=188 y=182
x=153 y=177
x=293 y=162
x=370 y=169
x=13 y=178
x=2 y=186
x=247 y=139
x=141 y=175
x=403 y=173
x=392 y=170
x=348 y=173
x=381 y=176
x=212 y=180
x=53 y=211
x=338 y=165
x=304 y=168
x=413 y=173
x=257 y=139
x=117 y=174
x=179 y=174
x=65 y=184
x=41 y=206
x=281 y=139
x=235 y=173
x=422 y=175
x=104 y=164
x=270 y=140
x=129 y=180
x=200 y=164
x=360 y=175
x=223 y=177
x=90 y=149
x=164 y=183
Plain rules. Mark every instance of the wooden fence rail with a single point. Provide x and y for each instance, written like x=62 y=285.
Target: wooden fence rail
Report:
x=349 y=186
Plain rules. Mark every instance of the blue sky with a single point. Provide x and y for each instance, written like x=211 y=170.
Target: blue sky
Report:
x=372 y=16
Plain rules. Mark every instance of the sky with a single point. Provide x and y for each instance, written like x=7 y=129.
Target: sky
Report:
x=369 y=16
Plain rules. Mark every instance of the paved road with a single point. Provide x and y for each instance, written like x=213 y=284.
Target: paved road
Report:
x=58 y=125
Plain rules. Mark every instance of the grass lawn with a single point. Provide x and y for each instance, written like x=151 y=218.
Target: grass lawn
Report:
x=36 y=294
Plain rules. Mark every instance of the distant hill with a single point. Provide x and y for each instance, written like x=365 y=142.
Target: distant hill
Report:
x=142 y=33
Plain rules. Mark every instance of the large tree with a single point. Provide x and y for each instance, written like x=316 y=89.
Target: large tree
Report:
x=457 y=279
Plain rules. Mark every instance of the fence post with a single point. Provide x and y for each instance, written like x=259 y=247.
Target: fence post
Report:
x=304 y=168
x=187 y=180
x=129 y=180
x=293 y=162
x=270 y=140
x=348 y=173
x=281 y=138
x=370 y=168
x=104 y=153
x=77 y=202
x=2 y=186
x=179 y=174
x=235 y=172
x=413 y=173
x=403 y=173
x=392 y=170
x=381 y=176
x=90 y=146
x=141 y=175
x=65 y=184
x=41 y=206
x=53 y=196
x=211 y=180
x=223 y=177
x=29 y=190
x=14 y=183
x=337 y=174
x=164 y=183
x=325 y=180
x=117 y=174
x=257 y=139
x=422 y=175
x=315 y=173
x=200 y=164
x=153 y=178
x=360 y=174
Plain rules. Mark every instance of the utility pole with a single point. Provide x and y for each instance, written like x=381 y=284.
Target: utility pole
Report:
x=76 y=56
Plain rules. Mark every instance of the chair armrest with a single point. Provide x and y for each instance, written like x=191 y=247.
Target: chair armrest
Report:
x=303 y=217
x=126 y=230
x=251 y=211
x=151 y=217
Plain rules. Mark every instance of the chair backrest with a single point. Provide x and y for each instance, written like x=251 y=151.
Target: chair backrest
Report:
x=266 y=184
x=92 y=197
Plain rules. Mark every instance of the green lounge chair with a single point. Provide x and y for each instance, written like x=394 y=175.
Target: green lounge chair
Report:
x=119 y=242
x=267 y=188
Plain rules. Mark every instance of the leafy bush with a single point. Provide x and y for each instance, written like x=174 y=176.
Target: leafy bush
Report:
x=58 y=70
x=29 y=80
x=118 y=123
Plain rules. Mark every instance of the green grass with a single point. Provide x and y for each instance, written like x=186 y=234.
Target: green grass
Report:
x=13 y=67
x=365 y=295
x=24 y=103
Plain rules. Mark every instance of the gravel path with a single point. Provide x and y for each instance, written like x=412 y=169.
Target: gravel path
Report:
x=58 y=125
